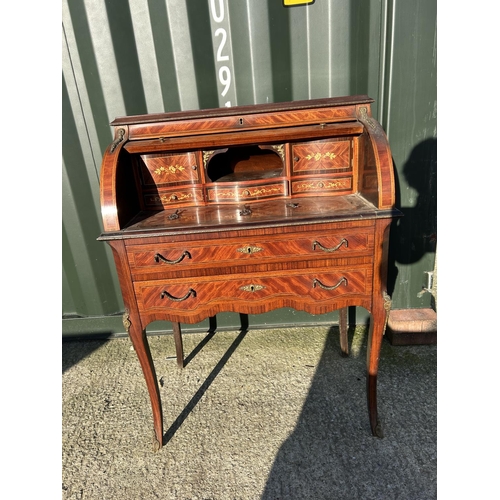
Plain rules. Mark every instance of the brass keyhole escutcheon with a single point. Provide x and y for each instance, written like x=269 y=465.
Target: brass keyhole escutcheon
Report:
x=250 y=249
x=252 y=288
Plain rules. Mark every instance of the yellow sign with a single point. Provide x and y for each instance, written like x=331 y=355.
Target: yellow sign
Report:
x=288 y=3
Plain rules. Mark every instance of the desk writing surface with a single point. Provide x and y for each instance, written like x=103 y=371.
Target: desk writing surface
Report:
x=276 y=212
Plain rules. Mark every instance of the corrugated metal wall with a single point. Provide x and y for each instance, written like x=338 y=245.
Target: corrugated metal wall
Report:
x=145 y=56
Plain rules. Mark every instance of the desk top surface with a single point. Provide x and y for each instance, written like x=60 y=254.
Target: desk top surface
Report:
x=241 y=110
x=274 y=213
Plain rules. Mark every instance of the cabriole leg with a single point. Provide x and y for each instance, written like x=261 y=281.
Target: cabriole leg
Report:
x=378 y=323
x=141 y=346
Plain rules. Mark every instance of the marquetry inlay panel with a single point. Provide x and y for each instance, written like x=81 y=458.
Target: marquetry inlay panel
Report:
x=321 y=156
x=322 y=185
x=169 y=168
x=222 y=192
x=165 y=198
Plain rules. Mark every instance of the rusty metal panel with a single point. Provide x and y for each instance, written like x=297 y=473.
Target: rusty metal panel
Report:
x=146 y=56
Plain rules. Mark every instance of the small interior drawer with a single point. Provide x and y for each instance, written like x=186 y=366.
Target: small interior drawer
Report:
x=321 y=157
x=241 y=192
x=181 y=195
x=164 y=169
x=314 y=185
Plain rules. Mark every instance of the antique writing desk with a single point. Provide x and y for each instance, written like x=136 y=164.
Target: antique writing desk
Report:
x=249 y=209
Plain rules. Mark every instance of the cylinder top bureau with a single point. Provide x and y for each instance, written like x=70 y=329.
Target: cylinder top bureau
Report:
x=249 y=209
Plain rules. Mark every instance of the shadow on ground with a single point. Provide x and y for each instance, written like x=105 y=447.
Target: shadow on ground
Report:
x=331 y=453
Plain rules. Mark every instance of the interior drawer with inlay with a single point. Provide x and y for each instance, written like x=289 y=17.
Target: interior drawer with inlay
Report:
x=322 y=157
x=163 y=169
x=311 y=186
x=163 y=198
x=157 y=258
x=245 y=293
x=249 y=191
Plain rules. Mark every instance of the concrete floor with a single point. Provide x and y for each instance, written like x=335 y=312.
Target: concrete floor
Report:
x=267 y=414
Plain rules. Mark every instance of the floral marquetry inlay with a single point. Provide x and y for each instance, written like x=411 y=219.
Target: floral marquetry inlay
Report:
x=249 y=192
x=326 y=184
x=322 y=156
x=319 y=156
x=170 y=170
x=188 y=196
x=175 y=197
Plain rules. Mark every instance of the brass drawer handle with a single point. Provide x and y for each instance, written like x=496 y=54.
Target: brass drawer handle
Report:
x=334 y=249
x=178 y=299
x=318 y=282
x=250 y=249
x=175 y=215
x=246 y=211
x=252 y=288
x=160 y=258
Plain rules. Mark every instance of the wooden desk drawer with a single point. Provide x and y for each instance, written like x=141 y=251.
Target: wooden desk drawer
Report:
x=313 y=186
x=158 y=258
x=251 y=294
x=321 y=157
x=163 y=169
x=227 y=192
x=163 y=198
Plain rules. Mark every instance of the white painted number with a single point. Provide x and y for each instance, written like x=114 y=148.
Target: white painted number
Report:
x=220 y=57
x=217 y=18
x=224 y=71
x=225 y=79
